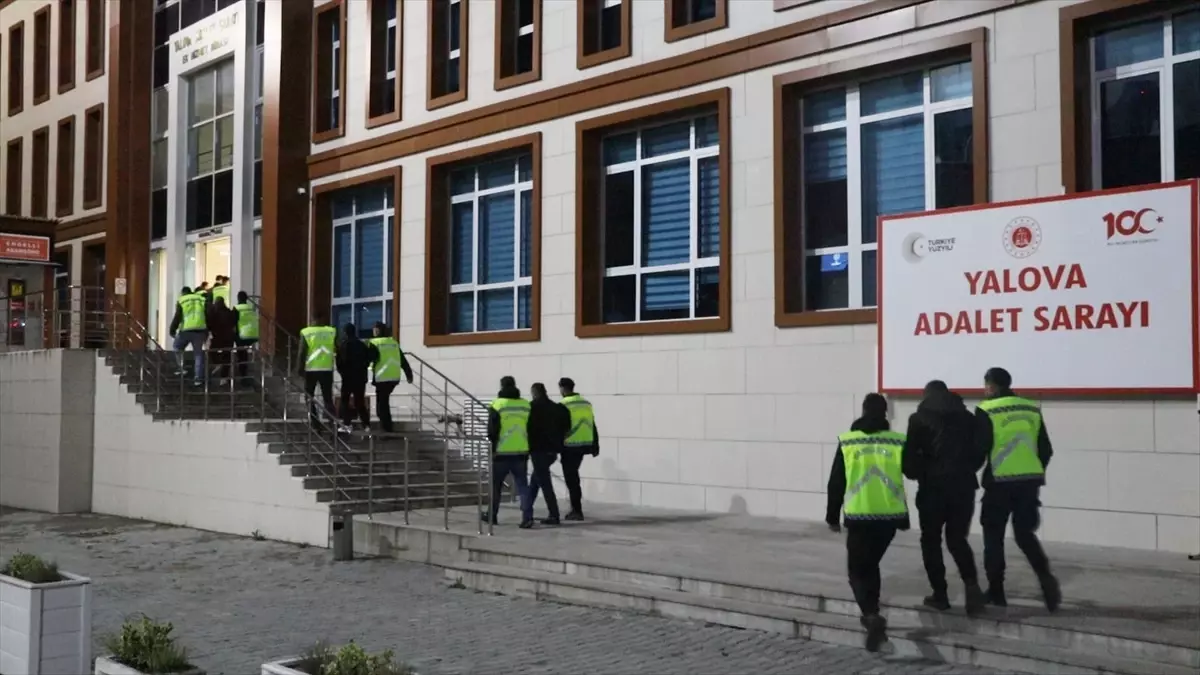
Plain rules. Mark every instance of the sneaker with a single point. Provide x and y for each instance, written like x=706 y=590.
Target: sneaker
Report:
x=526 y=524
x=976 y=601
x=938 y=601
x=876 y=631
x=484 y=517
x=550 y=521
x=344 y=429
x=197 y=383
x=996 y=597
x=1051 y=592
x=574 y=515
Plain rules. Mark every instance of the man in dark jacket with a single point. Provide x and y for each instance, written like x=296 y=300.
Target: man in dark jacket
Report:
x=353 y=363
x=222 y=325
x=1012 y=482
x=549 y=423
x=942 y=455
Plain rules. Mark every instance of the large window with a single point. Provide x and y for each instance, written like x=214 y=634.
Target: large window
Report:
x=93 y=156
x=159 y=134
x=210 y=147
x=41 y=55
x=329 y=103
x=447 y=52
x=362 y=256
x=384 y=93
x=883 y=146
x=64 y=168
x=688 y=18
x=605 y=27
x=1145 y=94
x=16 y=68
x=97 y=20
x=66 y=45
x=15 y=158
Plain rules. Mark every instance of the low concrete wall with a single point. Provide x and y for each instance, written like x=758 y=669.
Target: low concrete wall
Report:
x=46 y=407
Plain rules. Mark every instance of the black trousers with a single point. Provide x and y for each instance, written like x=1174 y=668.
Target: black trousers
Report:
x=243 y=355
x=571 y=459
x=383 y=404
x=949 y=510
x=357 y=390
x=1021 y=501
x=324 y=380
x=866 y=543
x=542 y=461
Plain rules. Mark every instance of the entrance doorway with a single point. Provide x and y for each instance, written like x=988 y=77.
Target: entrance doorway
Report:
x=205 y=260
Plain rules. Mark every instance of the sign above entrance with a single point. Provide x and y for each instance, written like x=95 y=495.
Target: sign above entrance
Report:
x=209 y=40
x=24 y=248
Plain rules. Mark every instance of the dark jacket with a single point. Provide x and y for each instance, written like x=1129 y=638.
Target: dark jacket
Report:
x=940 y=449
x=837 y=474
x=985 y=438
x=222 y=323
x=494 y=417
x=354 y=360
x=549 y=423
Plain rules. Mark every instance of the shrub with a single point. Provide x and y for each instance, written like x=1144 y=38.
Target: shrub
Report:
x=148 y=646
x=351 y=659
x=29 y=567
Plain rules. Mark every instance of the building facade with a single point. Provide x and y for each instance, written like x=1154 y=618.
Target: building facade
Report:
x=670 y=201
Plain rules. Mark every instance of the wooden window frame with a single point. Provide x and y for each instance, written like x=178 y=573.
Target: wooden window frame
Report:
x=374 y=75
x=789 y=90
x=506 y=42
x=15 y=82
x=14 y=146
x=673 y=33
x=67 y=63
x=589 y=249
x=322 y=52
x=93 y=173
x=64 y=168
x=433 y=101
x=39 y=173
x=95 y=39
x=41 y=55
x=437 y=249
x=585 y=13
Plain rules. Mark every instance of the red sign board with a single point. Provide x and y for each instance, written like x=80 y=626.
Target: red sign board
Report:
x=24 y=247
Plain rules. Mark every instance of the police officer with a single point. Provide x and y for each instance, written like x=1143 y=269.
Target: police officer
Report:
x=582 y=439
x=508 y=432
x=247 y=331
x=1018 y=448
x=189 y=326
x=867 y=480
x=220 y=289
x=317 y=360
x=388 y=362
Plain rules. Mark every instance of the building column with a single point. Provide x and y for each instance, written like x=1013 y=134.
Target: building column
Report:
x=287 y=66
x=127 y=202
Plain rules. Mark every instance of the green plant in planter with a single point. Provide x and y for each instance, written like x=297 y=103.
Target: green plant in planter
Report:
x=148 y=646
x=29 y=567
x=351 y=659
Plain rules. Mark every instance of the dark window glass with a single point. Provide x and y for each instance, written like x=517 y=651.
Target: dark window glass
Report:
x=620 y=299
x=162 y=66
x=258 y=199
x=826 y=281
x=954 y=167
x=158 y=214
x=1131 y=149
x=610 y=27
x=223 y=198
x=1187 y=119
x=825 y=190
x=618 y=219
x=260 y=25
x=199 y=203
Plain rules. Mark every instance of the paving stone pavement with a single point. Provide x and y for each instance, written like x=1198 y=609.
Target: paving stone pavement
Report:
x=237 y=602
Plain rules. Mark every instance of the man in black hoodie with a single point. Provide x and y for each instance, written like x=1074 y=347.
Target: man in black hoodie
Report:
x=354 y=359
x=549 y=423
x=942 y=454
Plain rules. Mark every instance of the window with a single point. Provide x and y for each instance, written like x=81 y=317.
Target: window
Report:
x=384 y=95
x=363 y=222
x=858 y=144
x=96 y=28
x=518 y=42
x=16 y=68
x=258 y=129
x=483 y=234
x=210 y=148
x=12 y=183
x=689 y=18
x=1145 y=94
x=66 y=45
x=64 y=168
x=159 y=161
x=605 y=31
x=447 y=52
x=41 y=55
x=93 y=156
x=329 y=106
x=653 y=219
x=39 y=184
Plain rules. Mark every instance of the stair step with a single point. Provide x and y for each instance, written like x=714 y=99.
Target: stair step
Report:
x=302 y=469
x=326 y=481
x=392 y=492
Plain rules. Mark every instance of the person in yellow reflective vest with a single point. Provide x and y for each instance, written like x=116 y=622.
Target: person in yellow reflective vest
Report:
x=189 y=327
x=387 y=363
x=582 y=439
x=318 y=356
x=1013 y=434
x=508 y=432
x=246 y=317
x=867 y=482
x=220 y=289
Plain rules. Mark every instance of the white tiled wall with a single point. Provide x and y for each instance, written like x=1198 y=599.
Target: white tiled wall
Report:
x=747 y=420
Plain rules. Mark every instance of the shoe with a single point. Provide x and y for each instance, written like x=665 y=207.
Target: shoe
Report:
x=876 y=631
x=938 y=601
x=345 y=429
x=995 y=596
x=484 y=517
x=976 y=601
x=574 y=515
x=1051 y=592
x=526 y=524
x=550 y=521
x=197 y=383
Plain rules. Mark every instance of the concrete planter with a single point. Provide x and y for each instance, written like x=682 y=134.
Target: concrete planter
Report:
x=286 y=667
x=106 y=666
x=47 y=628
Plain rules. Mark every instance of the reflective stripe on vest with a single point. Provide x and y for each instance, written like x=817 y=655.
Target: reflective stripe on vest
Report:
x=514 y=415
x=387 y=368
x=222 y=292
x=247 y=321
x=583 y=422
x=320 y=342
x=193 y=306
x=874 y=479
x=1016 y=425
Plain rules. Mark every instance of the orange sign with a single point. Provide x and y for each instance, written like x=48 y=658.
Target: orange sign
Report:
x=24 y=247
